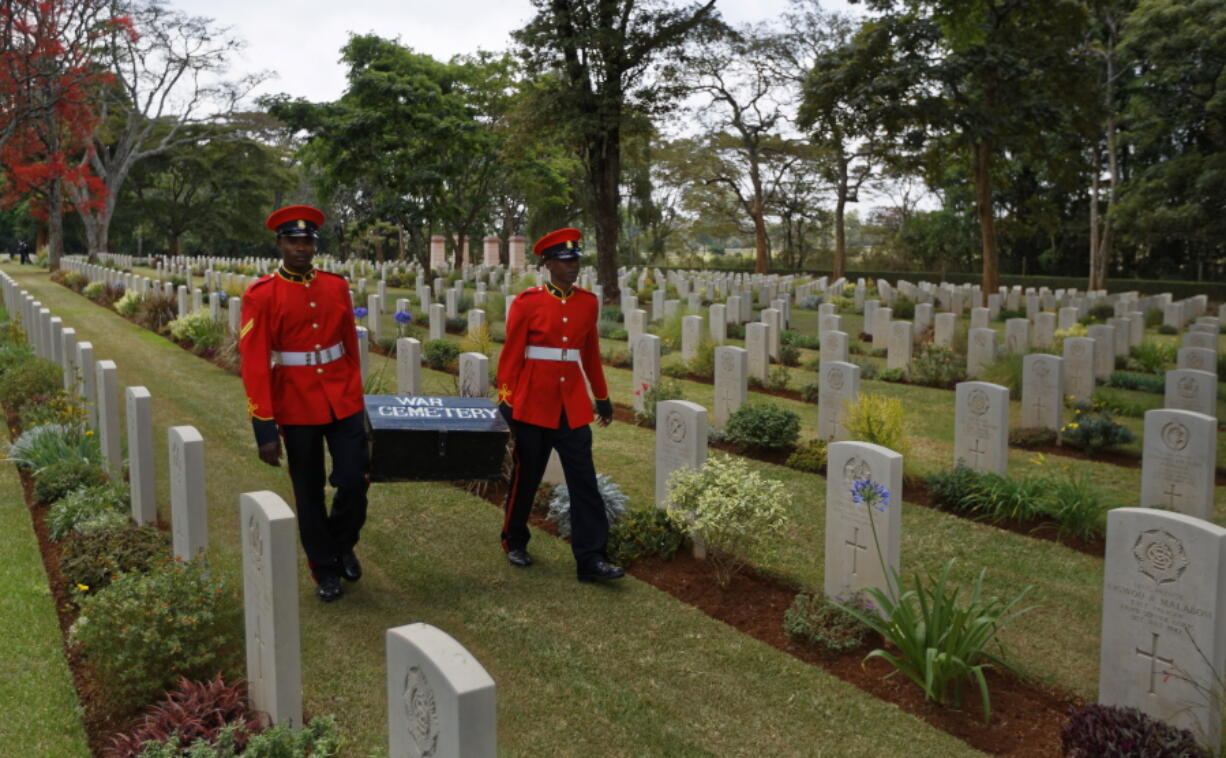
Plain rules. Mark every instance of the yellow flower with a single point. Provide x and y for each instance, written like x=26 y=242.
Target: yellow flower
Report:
x=83 y=587
x=89 y=432
x=1073 y=425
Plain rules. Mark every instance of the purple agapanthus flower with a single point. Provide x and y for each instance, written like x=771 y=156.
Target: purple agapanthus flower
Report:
x=868 y=492
x=360 y=312
x=404 y=317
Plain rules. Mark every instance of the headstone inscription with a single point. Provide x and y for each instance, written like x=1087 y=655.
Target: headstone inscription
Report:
x=1191 y=390
x=270 y=602
x=1042 y=392
x=440 y=700
x=839 y=385
x=731 y=381
x=1162 y=648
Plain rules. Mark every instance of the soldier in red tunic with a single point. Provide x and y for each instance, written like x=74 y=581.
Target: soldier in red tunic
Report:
x=300 y=369
x=551 y=333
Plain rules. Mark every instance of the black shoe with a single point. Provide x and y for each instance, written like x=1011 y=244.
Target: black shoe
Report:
x=329 y=588
x=601 y=571
x=351 y=568
x=519 y=558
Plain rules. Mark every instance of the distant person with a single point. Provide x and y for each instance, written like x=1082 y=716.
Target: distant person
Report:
x=23 y=250
x=299 y=347
x=551 y=344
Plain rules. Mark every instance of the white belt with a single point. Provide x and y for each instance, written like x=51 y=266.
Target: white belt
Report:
x=538 y=353
x=310 y=358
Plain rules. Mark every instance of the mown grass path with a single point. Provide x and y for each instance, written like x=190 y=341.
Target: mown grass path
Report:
x=581 y=670
x=38 y=705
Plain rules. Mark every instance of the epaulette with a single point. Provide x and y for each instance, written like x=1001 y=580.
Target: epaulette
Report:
x=321 y=272
x=266 y=278
x=538 y=289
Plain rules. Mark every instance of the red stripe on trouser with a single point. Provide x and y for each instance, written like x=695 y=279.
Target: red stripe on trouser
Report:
x=511 y=492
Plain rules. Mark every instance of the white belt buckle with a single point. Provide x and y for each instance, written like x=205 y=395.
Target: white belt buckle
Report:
x=563 y=355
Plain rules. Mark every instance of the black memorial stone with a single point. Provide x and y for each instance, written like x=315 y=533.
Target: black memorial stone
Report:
x=415 y=438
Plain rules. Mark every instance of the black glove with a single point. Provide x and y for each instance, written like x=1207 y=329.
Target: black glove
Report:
x=265 y=430
x=506 y=411
x=604 y=408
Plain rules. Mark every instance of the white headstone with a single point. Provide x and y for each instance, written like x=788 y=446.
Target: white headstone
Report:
x=980 y=351
x=440 y=700
x=718 y=323
x=1042 y=392
x=981 y=427
x=408 y=366
x=1017 y=336
x=1162 y=648
x=1177 y=462
x=646 y=370
x=756 y=343
x=901 y=342
x=188 y=509
x=1191 y=390
x=681 y=441
x=854 y=559
x=834 y=346
x=1104 y=350
x=1043 y=335
x=839 y=384
x=270 y=602
x=438 y=321
x=87 y=384
x=107 y=382
x=1078 y=367
x=943 y=330
x=691 y=336
x=1197 y=358
x=731 y=378
x=140 y=455
x=474 y=375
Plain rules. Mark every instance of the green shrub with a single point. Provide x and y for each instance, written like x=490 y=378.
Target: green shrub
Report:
x=703 y=362
x=319 y=738
x=611 y=314
x=736 y=331
x=893 y=375
x=813 y=618
x=128 y=305
x=664 y=389
x=83 y=504
x=1119 y=732
x=29 y=377
x=810 y=392
x=1130 y=380
x=935 y=366
x=763 y=426
x=904 y=309
x=58 y=479
x=868 y=369
x=1036 y=437
x=147 y=630
x=192 y=711
x=732 y=509
x=49 y=444
x=1003 y=498
x=559 y=505
x=843 y=304
x=1167 y=329
x=57 y=408
x=1076 y=330
x=93 y=290
x=777 y=379
x=1102 y=312
x=13 y=354
x=789 y=355
x=1120 y=404
x=157 y=310
x=199 y=329
x=1153 y=318
x=1006 y=314
x=878 y=419
x=937 y=641
x=643 y=533
x=1006 y=371
x=90 y=561
x=1092 y=429
x=951 y=489
x=809 y=456
x=808 y=341
x=441 y=355
x=675 y=370
x=1077 y=506
x=1152 y=357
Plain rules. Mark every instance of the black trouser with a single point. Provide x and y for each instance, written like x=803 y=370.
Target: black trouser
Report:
x=589 y=526
x=325 y=537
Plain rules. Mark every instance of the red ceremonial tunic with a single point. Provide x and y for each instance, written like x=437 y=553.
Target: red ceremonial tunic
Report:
x=539 y=390
x=314 y=313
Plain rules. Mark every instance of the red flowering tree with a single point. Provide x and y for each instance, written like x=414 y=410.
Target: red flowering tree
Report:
x=49 y=78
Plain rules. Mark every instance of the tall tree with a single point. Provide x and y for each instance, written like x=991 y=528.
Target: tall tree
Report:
x=48 y=77
x=603 y=53
x=164 y=66
x=978 y=77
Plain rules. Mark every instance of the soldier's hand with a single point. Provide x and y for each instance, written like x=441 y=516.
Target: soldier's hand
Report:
x=270 y=453
x=604 y=409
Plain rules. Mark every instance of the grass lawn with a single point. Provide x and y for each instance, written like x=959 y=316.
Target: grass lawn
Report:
x=622 y=670
x=37 y=698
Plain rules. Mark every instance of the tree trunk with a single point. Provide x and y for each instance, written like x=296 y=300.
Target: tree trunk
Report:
x=55 y=224
x=604 y=171
x=839 y=264
x=987 y=221
x=172 y=244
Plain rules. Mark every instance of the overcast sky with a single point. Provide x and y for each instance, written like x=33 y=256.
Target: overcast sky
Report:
x=301 y=40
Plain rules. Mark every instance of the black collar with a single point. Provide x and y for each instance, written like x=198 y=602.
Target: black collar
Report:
x=285 y=273
x=556 y=291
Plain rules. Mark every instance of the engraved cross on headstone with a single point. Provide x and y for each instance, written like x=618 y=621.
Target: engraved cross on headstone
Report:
x=854 y=544
x=259 y=648
x=1154 y=660
x=977 y=451
x=1171 y=494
